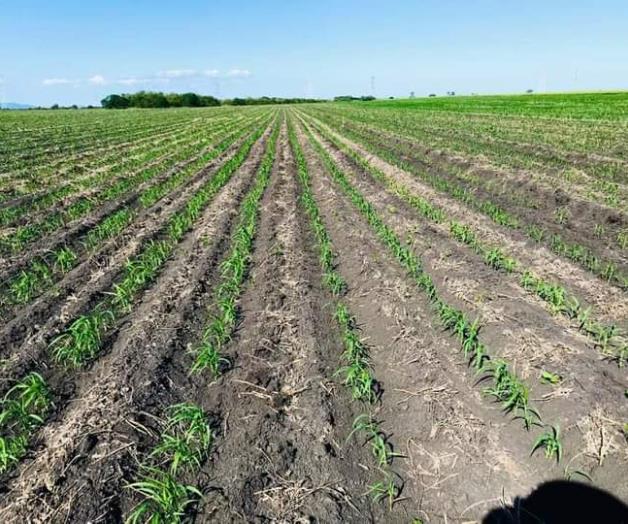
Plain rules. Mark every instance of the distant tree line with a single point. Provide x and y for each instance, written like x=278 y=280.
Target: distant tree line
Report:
x=145 y=99
x=268 y=100
x=349 y=98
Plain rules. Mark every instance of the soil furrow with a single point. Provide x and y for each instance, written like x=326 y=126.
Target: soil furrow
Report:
x=26 y=337
x=87 y=451
x=608 y=301
x=282 y=456
x=399 y=324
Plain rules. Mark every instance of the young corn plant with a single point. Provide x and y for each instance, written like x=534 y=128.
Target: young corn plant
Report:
x=547 y=377
x=233 y=271
x=386 y=489
x=550 y=440
x=357 y=374
x=462 y=233
x=22 y=410
x=81 y=341
x=186 y=440
x=165 y=500
x=380 y=447
x=497 y=259
x=29 y=282
x=64 y=259
x=511 y=392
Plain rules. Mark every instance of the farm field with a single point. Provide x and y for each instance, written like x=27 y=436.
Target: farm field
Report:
x=407 y=311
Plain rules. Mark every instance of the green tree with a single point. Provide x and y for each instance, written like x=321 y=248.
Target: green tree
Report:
x=115 y=102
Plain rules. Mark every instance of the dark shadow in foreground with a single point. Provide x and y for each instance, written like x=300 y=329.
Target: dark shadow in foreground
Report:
x=559 y=502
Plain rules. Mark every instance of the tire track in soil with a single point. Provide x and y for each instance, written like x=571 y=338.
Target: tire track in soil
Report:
x=88 y=450
x=281 y=456
x=459 y=446
x=609 y=301
x=25 y=339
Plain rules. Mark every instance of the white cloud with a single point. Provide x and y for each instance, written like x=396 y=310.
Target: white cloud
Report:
x=130 y=81
x=178 y=73
x=238 y=73
x=163 y=77
x=97 y=80
x=57 y=81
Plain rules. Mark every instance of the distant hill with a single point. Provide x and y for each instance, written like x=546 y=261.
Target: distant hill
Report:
x=14 y=105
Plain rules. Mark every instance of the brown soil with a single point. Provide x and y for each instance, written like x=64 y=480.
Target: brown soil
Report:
x=284 y=451
x=529 y=201
x=88 y=450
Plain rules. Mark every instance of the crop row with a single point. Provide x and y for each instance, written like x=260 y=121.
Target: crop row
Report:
x=233 y=271
x=184 y=443
x=24 y=235
x=607 y=336
x=104 y=168
x=576 y=252
x=109 y=181
x=506 y=387
x=38 y=275
x=538 y=144
x=356 y=371
x=164 y=498
x=82 y=340
x=86 y=144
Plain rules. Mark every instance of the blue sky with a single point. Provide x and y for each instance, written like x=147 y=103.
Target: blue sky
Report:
x=70 y=51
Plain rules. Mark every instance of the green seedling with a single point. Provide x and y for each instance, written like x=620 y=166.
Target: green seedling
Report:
x=23 y=409
x=551 y=442
x=208 y=357
x=165 y=500
x=570 y=474
x=562 y=215
x=64 y=259
x=548 y=377
x=187 y=438
x=511 y=392
x=498 y=260
x=12 y=449
x=81 y=341
x=380 y=447
x=335 y=283
x=462 y=233
x=536 y=233
x=385 y=489
x=23 y=287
